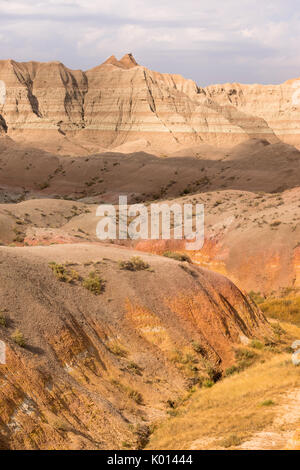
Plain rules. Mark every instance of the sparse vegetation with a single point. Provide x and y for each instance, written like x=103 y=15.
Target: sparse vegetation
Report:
x=135 y=368
x=3 y=319
x=232 y=411
x=208 y=383
x=198 y=348
x=18 y=338
x=177 y=256
x=134 y=264
x=133 y=394
x=63 y=274
x=117 y=350
x=283 y=308
x=136 y=396
x=256 y=344
x=94 y=283
x=256 y=297
x=267 y=403
x=230 y=441
x=232 y=370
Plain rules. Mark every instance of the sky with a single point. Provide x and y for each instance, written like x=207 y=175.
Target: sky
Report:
x=211 y=41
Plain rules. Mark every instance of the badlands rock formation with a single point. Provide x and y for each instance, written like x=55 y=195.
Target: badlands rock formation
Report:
x=96 y=371
x=120 y=102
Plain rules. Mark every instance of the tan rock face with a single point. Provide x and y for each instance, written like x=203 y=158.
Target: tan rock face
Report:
x=121 y=101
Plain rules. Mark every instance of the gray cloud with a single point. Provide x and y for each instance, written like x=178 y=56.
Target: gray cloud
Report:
x=216 y=41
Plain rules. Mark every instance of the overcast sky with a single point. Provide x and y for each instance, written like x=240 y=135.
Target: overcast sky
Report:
x=210 y=41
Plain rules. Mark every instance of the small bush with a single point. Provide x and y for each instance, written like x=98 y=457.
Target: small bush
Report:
x=256 y=344
x=3 y=319
x=171 y=403
x=142 y=436
x=245 y=358
x=134 y=264
x=126 y=445
x=231 y=370
x=198 y=348
x=177 y=256
x=278 y=330
x=18 y=338
x=276 y=223
x=256 y=297
x=136 y=396
x=207 y=383
x=214 y=374
x=94 y=283
x=63 y=274
x=132 y=366
x=117 y=350
x=267 y=403
x=230 y=441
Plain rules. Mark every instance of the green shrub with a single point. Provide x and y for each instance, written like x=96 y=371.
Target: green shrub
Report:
x=214 y=374
x=94 y=283
x=3 y=319
x=177 y=256
x=267 y=403
x=18 y=338
x=256 y=297
x=256 y=344
x=207 y=383
x=245 y=358
x=134 y=264
x=63 y=274
x=117 y=350
x=231 y=370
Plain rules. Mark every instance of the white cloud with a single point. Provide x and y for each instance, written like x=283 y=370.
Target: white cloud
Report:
x=223 y=36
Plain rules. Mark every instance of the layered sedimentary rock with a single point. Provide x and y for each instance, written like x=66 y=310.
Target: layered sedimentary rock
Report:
x=121 y=101
x=96 y=371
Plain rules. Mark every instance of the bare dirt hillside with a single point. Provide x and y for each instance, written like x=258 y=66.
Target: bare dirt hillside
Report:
x=250 y=194
x=93 y=371
x=253 y=238
x=255 y=166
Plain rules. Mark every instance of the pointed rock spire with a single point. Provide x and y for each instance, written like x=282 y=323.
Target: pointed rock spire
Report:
x=127 y=61
x=111 y=60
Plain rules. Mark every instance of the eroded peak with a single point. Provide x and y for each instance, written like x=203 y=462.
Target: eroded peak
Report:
x=127 y=61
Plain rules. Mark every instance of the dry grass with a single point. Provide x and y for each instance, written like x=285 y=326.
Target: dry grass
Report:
x=231 y=411
x=283 y=307
x=286 y=308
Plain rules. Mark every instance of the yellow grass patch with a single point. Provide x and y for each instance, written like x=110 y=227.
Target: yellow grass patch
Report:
x=236 y=408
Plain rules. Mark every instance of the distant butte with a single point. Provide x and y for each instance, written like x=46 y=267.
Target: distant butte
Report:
x=123 y=105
